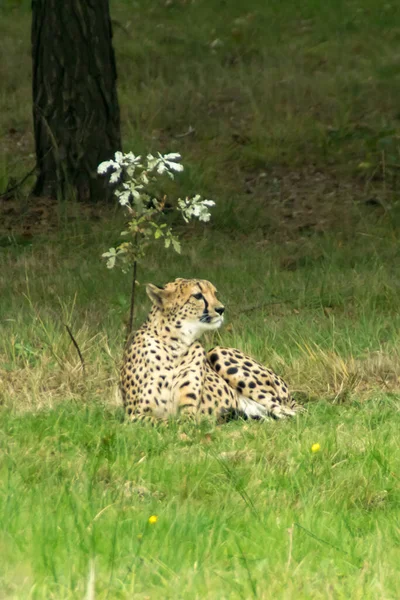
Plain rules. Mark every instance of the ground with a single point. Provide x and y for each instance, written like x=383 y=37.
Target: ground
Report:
x=301 y=157
x=79 y=484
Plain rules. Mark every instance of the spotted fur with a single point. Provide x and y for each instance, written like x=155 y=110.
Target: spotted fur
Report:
x=166 y=371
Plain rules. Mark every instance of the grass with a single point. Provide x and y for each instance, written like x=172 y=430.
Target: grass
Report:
x=265 y=87
x=295 y=118
x=244 y=510
x=321 y=310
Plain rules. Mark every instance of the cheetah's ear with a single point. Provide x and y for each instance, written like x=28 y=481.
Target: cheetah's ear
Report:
x=156 y=294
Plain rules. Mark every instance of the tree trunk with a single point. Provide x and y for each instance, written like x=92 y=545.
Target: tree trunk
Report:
x=75 y=105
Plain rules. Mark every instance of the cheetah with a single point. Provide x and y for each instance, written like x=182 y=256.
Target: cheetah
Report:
x=167 y=373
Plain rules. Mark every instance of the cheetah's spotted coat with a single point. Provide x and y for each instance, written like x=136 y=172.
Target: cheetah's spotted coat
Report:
x=166 y=371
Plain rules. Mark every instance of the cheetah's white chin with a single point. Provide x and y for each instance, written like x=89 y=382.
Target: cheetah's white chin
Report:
x=216 y=322
x=212 y=325
x=193 y=331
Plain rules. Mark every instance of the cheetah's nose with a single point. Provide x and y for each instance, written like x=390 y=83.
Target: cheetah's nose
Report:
x=220 y=310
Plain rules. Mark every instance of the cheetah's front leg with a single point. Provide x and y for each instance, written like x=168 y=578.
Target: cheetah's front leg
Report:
x=198 y=392
x=188 y=380
x=262 y=393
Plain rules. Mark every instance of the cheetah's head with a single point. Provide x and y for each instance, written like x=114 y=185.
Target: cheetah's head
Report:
x=189 y=304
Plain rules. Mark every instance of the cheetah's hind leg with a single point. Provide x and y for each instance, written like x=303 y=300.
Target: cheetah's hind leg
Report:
x=261 y=392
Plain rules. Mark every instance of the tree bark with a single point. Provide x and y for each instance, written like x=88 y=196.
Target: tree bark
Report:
x=75 y=105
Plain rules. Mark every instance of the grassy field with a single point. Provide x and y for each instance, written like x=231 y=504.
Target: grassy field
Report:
x=242 y=90
x=244 y=510
x=287 y=116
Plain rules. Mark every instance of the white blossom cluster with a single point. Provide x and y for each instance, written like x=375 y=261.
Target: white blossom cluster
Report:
x=195 y=207
x=133 y=175
x=130 y=163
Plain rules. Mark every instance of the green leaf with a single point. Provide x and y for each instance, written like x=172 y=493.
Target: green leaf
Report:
x=111 y=256
x=176 y=245
x=111 y=262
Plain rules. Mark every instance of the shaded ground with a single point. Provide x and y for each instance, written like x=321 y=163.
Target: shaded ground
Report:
x=287 y=116
x=288 y=203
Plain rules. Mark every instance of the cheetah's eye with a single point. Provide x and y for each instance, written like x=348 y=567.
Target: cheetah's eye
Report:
x=198 y=296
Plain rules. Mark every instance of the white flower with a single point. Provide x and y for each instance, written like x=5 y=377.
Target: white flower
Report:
x=143 y=178
x=164 y=164
x=131 y=159
x=123 y=197
x=128 y=162
x=136 y=191
x=116 y=175
x=107 y=164
x=195 y=207
x=132 y=177
x=111 y=164
x=170 y=160
x=132 y=163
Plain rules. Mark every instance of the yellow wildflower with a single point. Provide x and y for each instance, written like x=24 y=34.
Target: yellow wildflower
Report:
x=315 y=448
x=153 y=519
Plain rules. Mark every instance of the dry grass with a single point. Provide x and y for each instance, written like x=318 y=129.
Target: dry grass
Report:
x=324 y=317
x=325 y=374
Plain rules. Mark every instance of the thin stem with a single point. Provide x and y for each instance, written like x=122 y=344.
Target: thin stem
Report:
x=133 y=290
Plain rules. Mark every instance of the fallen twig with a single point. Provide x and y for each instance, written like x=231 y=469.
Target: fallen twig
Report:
x=77 y=347
x=190 y=131
x=18 y=184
